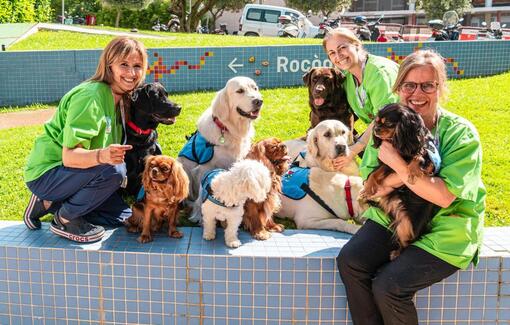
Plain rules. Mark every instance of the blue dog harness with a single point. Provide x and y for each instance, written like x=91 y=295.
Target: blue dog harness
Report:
x=206 y=193
x=293 y=182
x=197 y=149
x=296 y=185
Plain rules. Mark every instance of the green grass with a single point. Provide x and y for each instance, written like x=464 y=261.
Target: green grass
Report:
x=484 y=101
x=57 y=40
x=31 y=107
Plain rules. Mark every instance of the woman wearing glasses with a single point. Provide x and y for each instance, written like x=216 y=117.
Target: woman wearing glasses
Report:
x=380 y=291
x=77 y=164
x=368 y=82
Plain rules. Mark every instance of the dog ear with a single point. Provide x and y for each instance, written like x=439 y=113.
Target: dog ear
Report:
x=179 y=181
x=257 y=151
x=221 y=105
x=312 y=144
x=338 y=77
x=408 y=133
x=307 y=77
x=146 y=179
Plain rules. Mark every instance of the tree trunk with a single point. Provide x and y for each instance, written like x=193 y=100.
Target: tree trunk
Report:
x=117 y=20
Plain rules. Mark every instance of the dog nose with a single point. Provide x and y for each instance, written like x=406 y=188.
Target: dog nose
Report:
x=319 y=89
x=177 y=109
x=257 y=102
x=340 y=148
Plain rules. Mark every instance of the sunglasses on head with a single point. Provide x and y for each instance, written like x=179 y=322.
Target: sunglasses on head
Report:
x=427 y=87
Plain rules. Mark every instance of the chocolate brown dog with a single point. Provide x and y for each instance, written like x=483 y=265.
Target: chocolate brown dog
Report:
x=327 y=97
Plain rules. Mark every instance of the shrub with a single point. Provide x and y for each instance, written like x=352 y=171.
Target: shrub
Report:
x=25 y=11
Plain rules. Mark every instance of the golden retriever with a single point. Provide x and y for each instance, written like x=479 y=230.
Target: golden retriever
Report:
x=225 y=129
x=330 y=139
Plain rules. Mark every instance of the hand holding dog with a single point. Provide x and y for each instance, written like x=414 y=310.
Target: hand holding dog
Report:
x=113 y=154
x=391 y=157
x=343 y=161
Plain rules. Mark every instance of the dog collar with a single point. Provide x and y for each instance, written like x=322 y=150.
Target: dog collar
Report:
x=137 y=129
x=348 y=197
x=222 y=128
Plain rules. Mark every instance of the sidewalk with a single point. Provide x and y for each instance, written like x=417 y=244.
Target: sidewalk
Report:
x=25 y=118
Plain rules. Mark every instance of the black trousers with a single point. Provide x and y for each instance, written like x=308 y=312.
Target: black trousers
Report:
x=380 y=291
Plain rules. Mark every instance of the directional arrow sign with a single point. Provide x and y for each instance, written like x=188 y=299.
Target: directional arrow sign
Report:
x=232 y=65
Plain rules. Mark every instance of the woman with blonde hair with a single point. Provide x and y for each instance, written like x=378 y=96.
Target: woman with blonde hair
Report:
x=380 y=290
x=77 y=164
x=368 y=81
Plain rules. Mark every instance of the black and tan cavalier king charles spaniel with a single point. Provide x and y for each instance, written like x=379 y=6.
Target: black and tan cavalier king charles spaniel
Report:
x=410 y=214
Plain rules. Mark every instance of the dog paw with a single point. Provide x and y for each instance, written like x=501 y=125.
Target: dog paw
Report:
x=144 y=239
x=276 y=228
x=394 y=254
x=175 y=234
x=233 y=244
x=262 y=235
x=132 y=229
x=208 y=236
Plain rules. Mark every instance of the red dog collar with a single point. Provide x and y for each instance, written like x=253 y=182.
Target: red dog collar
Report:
x=218 y=123
x=348 y=197
x=137 y=129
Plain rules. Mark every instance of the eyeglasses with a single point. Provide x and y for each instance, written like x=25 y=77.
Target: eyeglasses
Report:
x=427 y=87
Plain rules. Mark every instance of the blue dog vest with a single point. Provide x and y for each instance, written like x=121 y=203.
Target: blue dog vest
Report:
x=197 y=149
x=293 y=181
x=206 y=193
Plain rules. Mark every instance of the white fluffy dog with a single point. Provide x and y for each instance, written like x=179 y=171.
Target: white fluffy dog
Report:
x=329 y=139
x=330 y=187
x=224 y=192
x=225 y=131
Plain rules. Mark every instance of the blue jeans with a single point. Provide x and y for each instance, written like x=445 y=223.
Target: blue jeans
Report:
x=90 y=193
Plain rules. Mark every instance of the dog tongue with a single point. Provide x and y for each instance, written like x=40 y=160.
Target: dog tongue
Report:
x=318 y=101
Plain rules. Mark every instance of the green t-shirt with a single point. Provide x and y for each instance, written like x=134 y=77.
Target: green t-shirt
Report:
x=456 y=231
x=378 y=79
x=85 y=115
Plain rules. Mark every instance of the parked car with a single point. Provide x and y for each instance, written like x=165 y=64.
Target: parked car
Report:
x=262 y=20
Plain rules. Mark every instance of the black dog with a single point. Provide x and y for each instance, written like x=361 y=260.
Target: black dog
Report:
x=327 y=98
x=149 y=106
x=410 y=214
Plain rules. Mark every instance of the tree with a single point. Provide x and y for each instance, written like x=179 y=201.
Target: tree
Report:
x=326 y=7
x=126 y=4
x=434 y=9
x=190 y=16
x=222 y=5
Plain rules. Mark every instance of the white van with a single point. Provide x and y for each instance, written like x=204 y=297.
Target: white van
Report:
x=262 y=20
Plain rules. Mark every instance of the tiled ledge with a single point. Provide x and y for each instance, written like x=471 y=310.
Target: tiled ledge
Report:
x=288 y=279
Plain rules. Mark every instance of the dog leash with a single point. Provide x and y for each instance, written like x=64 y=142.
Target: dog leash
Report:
x=348 y=198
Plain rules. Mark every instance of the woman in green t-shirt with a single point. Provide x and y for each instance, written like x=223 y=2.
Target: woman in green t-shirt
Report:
x=77 y=164
x=368 y=81
x=380 y=290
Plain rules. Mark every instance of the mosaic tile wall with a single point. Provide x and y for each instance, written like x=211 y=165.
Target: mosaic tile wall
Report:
x=45 y=76
x=289 y=279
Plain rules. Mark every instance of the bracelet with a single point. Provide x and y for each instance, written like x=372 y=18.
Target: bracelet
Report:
x=98 y=152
